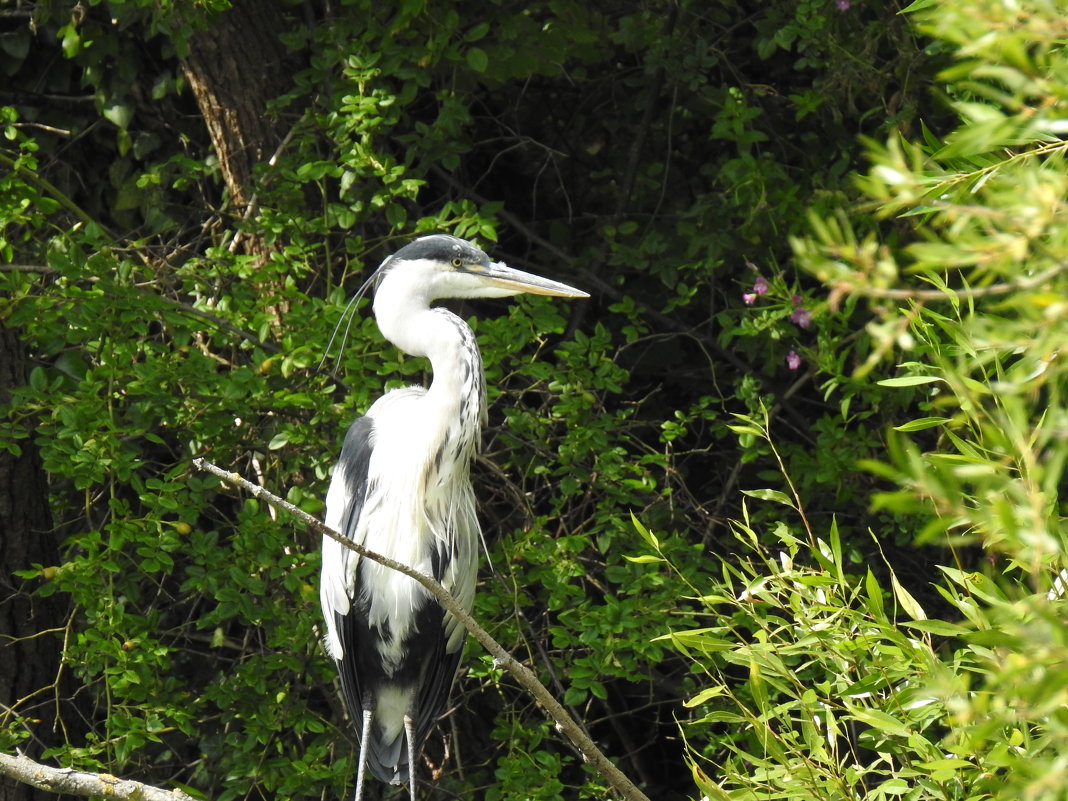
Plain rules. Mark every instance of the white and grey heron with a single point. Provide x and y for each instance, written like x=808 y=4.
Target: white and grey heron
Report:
x=402 y=488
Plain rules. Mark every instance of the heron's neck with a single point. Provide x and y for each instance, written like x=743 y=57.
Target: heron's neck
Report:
x=457 y=363
x=458 y=387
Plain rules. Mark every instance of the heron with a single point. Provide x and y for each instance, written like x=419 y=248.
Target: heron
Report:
x=402 y=488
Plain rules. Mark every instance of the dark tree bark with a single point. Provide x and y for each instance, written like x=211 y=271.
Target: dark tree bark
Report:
x=29 y=658
x=235 y=68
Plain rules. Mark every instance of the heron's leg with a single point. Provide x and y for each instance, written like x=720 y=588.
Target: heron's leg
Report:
x=409 y=735
x=364 y=739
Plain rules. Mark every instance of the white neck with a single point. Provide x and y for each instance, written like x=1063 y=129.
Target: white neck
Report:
x=403 y=317
x=406 y=319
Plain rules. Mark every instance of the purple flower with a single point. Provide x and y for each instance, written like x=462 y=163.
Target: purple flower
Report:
x=797 y=300
x=793 y=361
x=843 y=5
x=760 y=286
x=801 y=316
x=748 y=297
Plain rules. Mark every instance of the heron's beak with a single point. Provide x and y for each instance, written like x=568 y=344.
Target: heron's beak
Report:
x=500 y=276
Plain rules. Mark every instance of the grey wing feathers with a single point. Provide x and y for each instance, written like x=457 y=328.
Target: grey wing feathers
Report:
x=355 y=458
x=442 y=661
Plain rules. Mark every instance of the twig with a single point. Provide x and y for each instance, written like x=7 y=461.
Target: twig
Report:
x=28 y=268
x=1027 y=282
x=564 y=722
x=41 y=126
x=78 y=782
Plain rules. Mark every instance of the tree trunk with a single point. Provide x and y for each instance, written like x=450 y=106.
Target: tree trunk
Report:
x=27 y=662
x=235 y=68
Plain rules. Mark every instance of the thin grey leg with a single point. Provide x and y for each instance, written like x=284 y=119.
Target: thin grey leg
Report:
x=364 y=739
x=409 y=735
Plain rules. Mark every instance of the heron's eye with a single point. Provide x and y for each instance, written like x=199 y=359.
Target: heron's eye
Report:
x=457 y=262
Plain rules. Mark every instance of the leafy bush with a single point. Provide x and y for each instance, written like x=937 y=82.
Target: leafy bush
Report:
x=660 y=158
x=815 y=680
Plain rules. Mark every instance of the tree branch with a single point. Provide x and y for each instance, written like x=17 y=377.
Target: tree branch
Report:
x=78 y=782
x=847 y=287
x=564 y=722
x=83 y=783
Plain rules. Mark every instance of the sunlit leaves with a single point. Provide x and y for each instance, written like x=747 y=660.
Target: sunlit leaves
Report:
x=549 y=131
x=972 y=273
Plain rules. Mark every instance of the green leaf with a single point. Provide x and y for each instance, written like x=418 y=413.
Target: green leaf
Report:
x=875 y=596
x=756 y=432
x=574 y=696
x=940 y=627
x=706 y=694
x=770 y=495
x=477 y=32
x=643 y=559
x=396 y=215
x=16 y=43
x=723 y=717
x=836 y=552
x=893 y=787
x=904 y=597
x=644 y=533
x=908 y=380
x=477 y=59
x=946 y=769
x=701 y=639
x=921 y=423
x=38 y=379
x=120 y=114
x=71 y=40
x=880 y=720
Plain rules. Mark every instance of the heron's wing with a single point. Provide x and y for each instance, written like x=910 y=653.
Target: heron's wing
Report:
x=353 y=467
x=344 y=505
x=455 y=569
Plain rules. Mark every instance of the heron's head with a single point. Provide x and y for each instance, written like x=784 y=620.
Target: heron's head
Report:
x=443 y=266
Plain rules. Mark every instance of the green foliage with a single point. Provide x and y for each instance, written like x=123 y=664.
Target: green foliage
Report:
x=807 y=680
x=819 y=680
x=814 y=683
x=658 y=156
x=982 y=322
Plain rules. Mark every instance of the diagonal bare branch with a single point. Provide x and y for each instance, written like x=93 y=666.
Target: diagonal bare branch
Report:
x=84 y=783
x=564 y=722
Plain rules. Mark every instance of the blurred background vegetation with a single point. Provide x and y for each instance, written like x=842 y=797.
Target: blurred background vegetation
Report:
x=777 y=513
